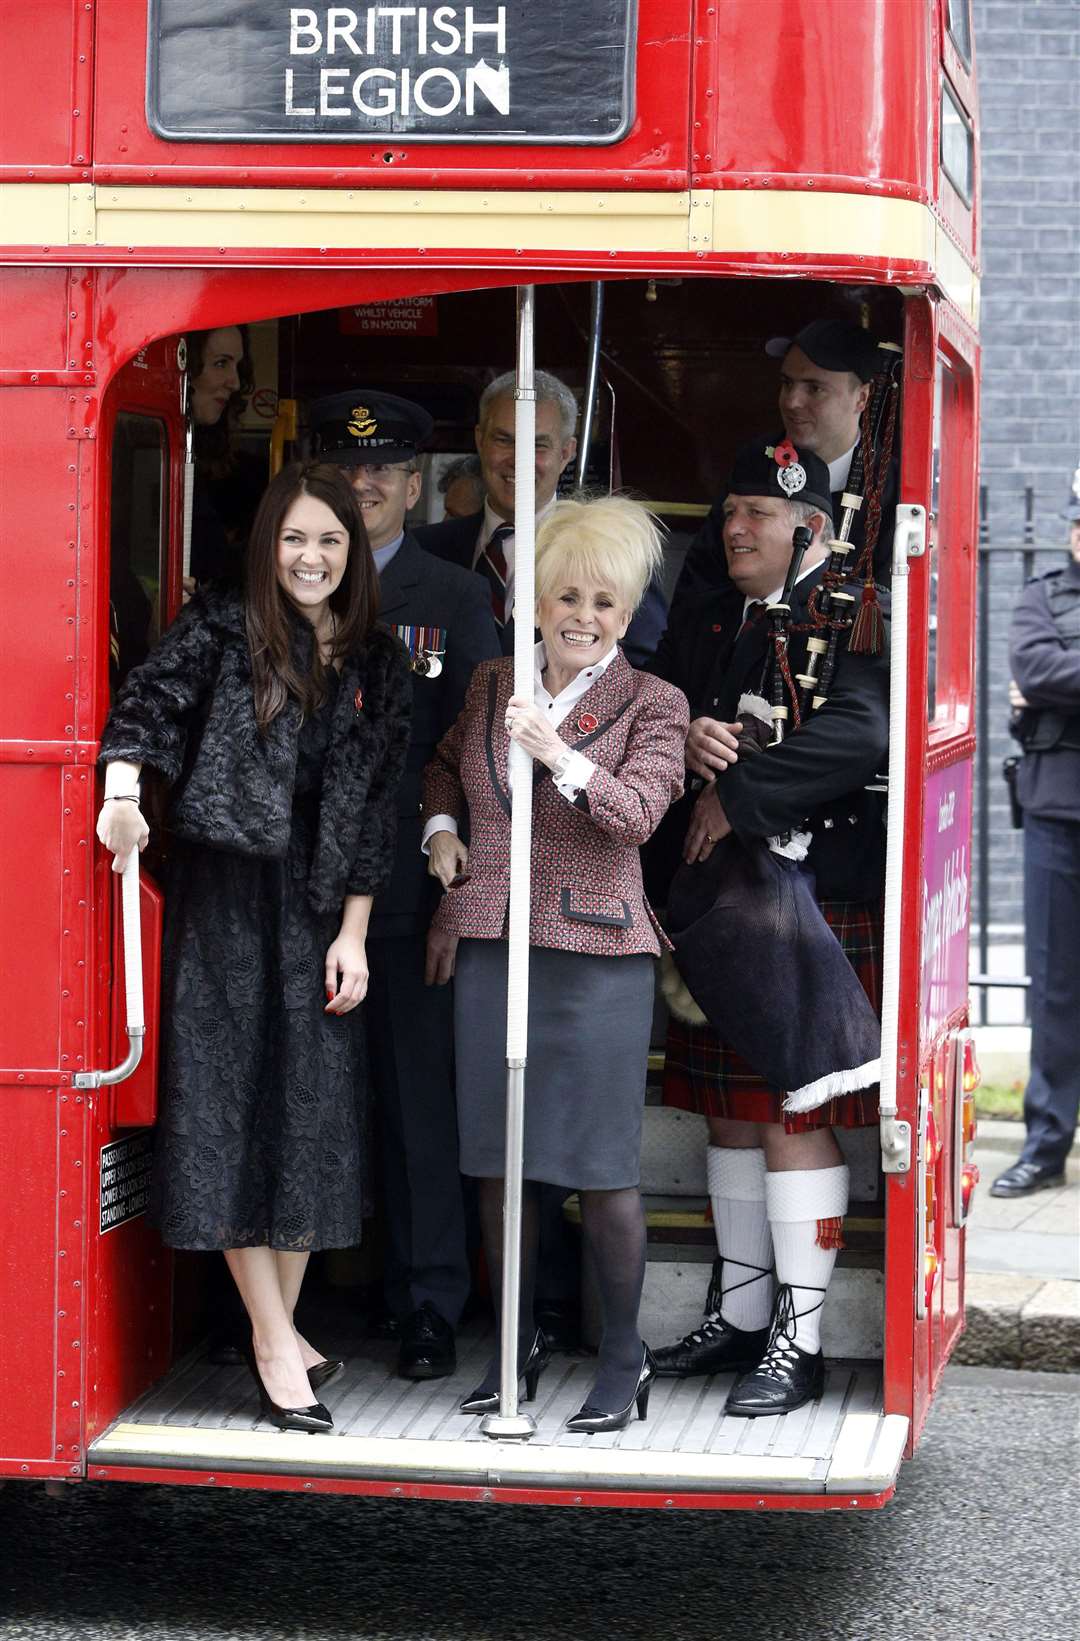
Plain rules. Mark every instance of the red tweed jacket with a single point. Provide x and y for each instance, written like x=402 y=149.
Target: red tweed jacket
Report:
x=586 y=873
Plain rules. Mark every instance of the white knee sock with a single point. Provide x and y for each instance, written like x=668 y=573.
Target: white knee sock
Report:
x=801 y=1204
x=737 y=1191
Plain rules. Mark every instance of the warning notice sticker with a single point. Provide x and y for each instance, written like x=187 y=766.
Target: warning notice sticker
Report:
x=125 y=1179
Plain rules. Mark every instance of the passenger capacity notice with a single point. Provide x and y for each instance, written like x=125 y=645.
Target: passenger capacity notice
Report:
x=125 y=1179
x=263 y=71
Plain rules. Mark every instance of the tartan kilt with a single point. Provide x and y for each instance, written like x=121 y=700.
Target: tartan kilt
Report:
x=703 y=1073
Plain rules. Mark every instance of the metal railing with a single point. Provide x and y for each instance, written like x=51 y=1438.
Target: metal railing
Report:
x=991 y=554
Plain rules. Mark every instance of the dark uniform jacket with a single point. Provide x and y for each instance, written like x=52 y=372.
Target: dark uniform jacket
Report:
x=1044 y=653
x=455 y=540
x=188 y=712
x=419 y=590
x=815 y=780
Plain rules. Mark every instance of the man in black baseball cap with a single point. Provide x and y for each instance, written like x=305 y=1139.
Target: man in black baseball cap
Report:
x=778 y=1185
x=442 y=614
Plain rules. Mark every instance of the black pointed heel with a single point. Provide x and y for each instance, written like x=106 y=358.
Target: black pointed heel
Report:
x=309 y=1421
x=487 y=1401
x=594 y=1421
x=324 y=1373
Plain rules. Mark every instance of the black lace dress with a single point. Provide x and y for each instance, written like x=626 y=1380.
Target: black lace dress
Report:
x=261 y=1138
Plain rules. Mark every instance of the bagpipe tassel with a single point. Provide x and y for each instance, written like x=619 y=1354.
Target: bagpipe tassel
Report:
x=830 y=1232
x=868 y=628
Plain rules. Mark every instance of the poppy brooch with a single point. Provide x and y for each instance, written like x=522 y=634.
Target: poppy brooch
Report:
x=587 y=723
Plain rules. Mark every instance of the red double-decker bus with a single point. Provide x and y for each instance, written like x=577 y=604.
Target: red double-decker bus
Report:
x=367 y=188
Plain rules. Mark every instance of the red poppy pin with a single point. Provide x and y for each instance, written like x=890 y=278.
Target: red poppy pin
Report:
x=358 y=702
x=587 y=723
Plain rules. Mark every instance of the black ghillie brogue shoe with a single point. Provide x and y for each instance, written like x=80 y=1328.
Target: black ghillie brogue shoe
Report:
x=594 y=1421
x=786 y=1377
x=484 y=1400
x=716 y=1346
x=427 y=1349
x=1025 y=1177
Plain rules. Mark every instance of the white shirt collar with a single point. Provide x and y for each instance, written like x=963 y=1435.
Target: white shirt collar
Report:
x=493 y=522
x=773 y=596
x=559 y=705
x=839 y=470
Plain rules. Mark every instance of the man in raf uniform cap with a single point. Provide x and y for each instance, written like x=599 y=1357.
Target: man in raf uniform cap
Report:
x=777 y=1180
x=1045 y=656
x=825 y=376
x=443 y=615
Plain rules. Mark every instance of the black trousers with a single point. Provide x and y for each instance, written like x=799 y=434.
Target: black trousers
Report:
x=1052 y=935
x=410 y=1030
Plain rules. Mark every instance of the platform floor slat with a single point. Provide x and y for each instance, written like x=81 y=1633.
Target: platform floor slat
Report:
x=370 y=1402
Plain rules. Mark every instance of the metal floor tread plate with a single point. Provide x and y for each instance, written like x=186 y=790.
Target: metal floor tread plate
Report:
x=202 y=1416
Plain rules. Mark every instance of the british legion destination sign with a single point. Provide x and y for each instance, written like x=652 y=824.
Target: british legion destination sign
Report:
x=543 y=71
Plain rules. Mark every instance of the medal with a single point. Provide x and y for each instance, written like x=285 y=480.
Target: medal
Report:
x=426 y=647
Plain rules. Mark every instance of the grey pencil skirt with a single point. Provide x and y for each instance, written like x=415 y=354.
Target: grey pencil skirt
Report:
x=589 y=1025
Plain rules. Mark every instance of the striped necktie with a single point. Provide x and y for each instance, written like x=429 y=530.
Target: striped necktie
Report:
x=492 y=565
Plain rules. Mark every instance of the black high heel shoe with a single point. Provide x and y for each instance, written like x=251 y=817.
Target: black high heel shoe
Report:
x=593 y=1421
x=487 y=1401
x=310 y=1421
x=324 y=1373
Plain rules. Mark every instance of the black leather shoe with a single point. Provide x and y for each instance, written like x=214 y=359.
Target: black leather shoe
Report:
x=324 y=1373
x=559 y=1323
x=308 y=1421
x=486 y=1400
x=1025 y=1177
x=594 y=1421
x=715 y=1347
x=786 y=1377
x=427 y=1345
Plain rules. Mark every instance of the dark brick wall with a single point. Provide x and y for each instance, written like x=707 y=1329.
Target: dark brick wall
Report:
x=1028 y=57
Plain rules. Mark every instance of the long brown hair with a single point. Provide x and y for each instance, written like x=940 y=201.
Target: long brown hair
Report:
x=270 y=616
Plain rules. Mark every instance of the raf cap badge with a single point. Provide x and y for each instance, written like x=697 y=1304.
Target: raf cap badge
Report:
x=791 y=474
x=362 y=423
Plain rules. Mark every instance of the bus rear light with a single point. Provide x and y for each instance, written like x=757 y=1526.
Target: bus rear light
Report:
x=969 y=1178
x=971 y=1074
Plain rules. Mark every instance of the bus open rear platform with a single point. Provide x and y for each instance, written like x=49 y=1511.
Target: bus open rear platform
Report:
x=205 y=1418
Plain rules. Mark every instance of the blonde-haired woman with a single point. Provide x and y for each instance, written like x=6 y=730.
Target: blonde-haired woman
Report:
x=608 y=745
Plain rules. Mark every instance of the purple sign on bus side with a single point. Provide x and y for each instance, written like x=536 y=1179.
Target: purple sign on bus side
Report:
x=946 y=898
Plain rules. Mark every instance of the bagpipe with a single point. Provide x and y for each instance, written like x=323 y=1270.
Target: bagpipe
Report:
x=756 y=958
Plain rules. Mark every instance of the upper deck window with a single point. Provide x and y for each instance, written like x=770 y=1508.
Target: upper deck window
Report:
x=958 y=23
x=957 y=146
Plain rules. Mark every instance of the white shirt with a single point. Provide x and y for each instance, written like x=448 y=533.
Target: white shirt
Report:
x=493 y=522
x=774 y=597
x=839 y=470
x=578 y=769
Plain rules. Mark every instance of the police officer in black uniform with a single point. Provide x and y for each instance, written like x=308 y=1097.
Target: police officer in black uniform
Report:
x=442 y=613
x=1045 y=657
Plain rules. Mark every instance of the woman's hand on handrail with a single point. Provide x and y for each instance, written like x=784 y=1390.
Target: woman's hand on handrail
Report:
x=447 y=857
x=532 y=730
x=121 y=828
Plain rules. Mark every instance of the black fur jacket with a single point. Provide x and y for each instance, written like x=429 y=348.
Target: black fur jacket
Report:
x=188 y=711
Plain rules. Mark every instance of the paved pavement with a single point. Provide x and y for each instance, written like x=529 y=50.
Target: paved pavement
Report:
x=1023 y=1255
x=980 y=1544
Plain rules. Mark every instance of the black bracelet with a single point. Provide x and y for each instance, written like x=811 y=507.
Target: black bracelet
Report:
x=124 y=797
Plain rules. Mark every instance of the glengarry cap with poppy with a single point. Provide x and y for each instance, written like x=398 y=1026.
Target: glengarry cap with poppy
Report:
x=367 y=428
x=766 y=468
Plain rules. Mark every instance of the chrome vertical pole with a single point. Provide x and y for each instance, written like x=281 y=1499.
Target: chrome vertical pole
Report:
x=509 y=1423
x=588 y=410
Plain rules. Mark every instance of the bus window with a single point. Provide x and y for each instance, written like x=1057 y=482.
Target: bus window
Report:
x=137 y=540
x=949 y=655
x=957 y=145
x=958 y=23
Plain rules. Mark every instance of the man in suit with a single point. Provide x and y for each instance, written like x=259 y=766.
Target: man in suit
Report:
x=777 y=1181
x=442 y=614
x=484 y=540
x=825 y=376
